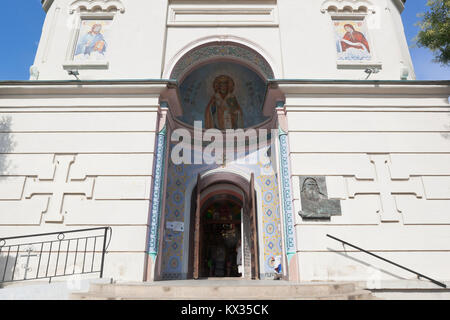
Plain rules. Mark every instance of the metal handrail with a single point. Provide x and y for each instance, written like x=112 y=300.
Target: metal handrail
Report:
x=53 y=248
x=389 y=261
x=52 y=233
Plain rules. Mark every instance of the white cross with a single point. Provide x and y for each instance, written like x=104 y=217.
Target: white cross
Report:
x=386 y=187
x=58 y=187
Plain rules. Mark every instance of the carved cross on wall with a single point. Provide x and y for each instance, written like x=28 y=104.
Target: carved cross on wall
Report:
x=386 y=187
x=58 y=187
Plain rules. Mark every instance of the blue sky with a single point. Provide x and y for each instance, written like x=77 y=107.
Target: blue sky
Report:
x=21 y=24
x=422 y=57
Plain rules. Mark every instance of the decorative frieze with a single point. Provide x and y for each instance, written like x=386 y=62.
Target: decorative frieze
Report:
x=97 y=5
x=220 y=51
x=348 y=6
x=223 y=14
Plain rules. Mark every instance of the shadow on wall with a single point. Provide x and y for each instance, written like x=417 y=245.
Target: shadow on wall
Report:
x=446 y=135
x=370 y=267
x=6 y=144
x=6 y=273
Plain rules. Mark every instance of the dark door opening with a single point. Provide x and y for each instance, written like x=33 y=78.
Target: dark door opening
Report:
x=221 y=240
x=221 y=223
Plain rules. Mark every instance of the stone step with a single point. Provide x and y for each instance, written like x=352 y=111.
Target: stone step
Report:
x=216 y=290
x=357 y=295
x=222 y=289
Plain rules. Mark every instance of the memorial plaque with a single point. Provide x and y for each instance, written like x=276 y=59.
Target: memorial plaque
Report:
x=315 y=201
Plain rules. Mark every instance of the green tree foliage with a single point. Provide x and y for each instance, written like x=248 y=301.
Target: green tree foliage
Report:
x=435 y=30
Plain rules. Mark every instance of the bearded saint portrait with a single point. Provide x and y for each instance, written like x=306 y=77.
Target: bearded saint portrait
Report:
x=354 y=39
x=223 y=110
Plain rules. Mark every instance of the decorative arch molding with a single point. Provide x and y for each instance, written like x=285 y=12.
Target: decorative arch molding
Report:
x=233 y=48
x=96 y=6
x=347 y=6
x=225 y=189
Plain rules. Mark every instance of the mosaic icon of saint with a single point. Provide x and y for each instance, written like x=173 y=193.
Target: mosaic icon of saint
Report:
x=223 y=110
x=354 y=39
x=93 y=44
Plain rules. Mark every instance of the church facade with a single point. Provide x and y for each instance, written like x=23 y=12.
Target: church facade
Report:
x=229 y=138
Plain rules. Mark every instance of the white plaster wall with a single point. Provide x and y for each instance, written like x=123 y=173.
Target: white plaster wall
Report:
x=308 y=43
x=349 y=144
x=112 y=146
x=135 y=47
x=405 y=56
x=296 y=35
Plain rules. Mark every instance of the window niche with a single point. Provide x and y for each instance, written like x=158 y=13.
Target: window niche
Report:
x=89 y=43
x=351 y=22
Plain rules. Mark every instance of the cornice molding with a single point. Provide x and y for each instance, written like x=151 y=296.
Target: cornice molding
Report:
x=347 y=6
x=46 y=4
x=355 y=88
x=97 y=5
x=400 y=4
x=94 y=88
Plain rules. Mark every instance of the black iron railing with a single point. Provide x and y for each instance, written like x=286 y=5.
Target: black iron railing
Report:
x=419 y=275
x=56 y=254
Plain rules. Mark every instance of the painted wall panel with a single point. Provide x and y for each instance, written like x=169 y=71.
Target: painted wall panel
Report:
x=343 y=121
x=80 y=142
x=384 y=237
x=369 y=142
x=330 y=164
x=345 y=266
x=112 y=165
x=117 y=188
x=92 y=212
x=79 y=122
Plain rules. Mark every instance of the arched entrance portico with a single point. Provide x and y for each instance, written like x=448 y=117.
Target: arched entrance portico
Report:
x=215 y=229
x=224 y=87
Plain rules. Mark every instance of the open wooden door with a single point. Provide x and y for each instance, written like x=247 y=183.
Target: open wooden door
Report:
x=254 y=229
x=197 y=231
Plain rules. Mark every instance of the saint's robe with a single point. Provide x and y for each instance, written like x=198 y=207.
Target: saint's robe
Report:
x=356 y=40
x=91 y=42
x=223 y=113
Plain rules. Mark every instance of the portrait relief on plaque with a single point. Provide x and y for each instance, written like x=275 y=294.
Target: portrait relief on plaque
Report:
x=315 y=201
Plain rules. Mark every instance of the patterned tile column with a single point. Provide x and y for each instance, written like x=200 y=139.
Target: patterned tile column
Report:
x=157 y=190
x=286 y=194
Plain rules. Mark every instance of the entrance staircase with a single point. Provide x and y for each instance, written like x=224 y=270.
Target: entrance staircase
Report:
x=225 y=290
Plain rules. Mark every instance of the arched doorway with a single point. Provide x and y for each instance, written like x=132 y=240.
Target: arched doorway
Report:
x=223 y=214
